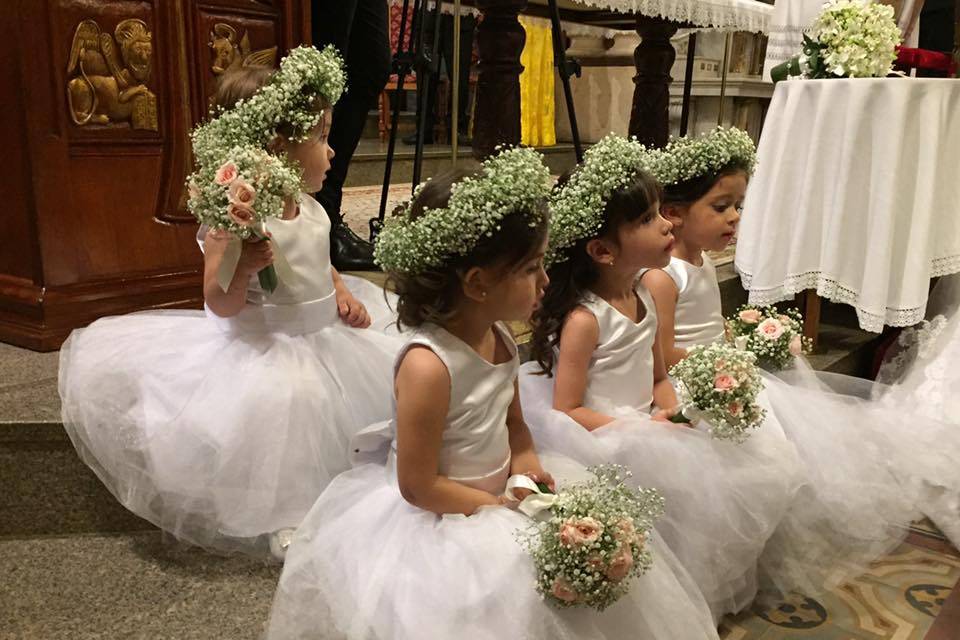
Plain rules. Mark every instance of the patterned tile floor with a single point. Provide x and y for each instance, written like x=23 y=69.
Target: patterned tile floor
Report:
x=909 y=595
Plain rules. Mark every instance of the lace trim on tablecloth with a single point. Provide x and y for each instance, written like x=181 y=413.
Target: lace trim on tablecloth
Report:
x=731 y=15
x=837 y=292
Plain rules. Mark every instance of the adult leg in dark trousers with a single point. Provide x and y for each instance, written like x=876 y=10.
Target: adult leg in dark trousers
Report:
x=467 y=25
x=360 y=30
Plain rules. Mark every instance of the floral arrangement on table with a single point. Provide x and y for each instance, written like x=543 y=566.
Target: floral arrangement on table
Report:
x=594 y=541
x=775 y=338
x=238 y=184
x=719 y=384
x=849 y=39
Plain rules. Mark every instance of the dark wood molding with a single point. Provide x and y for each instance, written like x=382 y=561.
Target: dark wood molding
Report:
x=500 y=40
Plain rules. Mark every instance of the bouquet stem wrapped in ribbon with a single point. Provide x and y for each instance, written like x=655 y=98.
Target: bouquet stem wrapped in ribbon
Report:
x=591 y=538
x=247 y=187
x=719 y=384
x=849 y=39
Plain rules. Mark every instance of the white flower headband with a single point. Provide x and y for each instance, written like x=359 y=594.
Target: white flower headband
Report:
x=686 y=158
x=286 y=100
x=576 y=210
x=513 y=180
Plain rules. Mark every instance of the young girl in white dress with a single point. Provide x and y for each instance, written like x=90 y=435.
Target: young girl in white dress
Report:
x=418 y=540
x=222 y=427
x=852 y=509
x=595 y=336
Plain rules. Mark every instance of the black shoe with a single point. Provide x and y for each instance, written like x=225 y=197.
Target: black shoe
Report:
x=412 y=139
x=348 y=251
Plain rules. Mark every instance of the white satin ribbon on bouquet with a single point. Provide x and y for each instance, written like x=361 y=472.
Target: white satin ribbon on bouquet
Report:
x=231 y=258
x=536 y=505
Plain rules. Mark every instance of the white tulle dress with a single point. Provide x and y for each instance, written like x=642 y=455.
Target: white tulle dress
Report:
x=920 y=381
x=365 y=564
x=222 y=430
x=851 y=510
x=724 y=501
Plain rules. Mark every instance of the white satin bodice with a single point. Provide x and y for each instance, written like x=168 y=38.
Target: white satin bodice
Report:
x=620 y=379
x=304 y=242
x=698 y=318
x=475 y=446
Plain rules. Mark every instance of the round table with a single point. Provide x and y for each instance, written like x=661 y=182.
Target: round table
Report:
x=856 y=195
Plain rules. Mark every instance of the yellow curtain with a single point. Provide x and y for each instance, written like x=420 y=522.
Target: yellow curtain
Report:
x=537 y=106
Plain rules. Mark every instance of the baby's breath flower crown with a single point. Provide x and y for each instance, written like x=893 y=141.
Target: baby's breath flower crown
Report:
x=513 y=180
x=576 y=210
x=686 y=158
x=285 y=101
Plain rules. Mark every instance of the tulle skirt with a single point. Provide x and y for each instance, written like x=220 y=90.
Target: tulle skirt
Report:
x=879 y=456
x=221 y=431
x=367 y=565
x=723 y=501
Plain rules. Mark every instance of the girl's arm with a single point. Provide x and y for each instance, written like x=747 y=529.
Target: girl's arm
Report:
x=664 y=396
x=665 y=293
x=351 y=310
x=421 y=419
x=523 y=455
x=578 y=340
x=254 y=256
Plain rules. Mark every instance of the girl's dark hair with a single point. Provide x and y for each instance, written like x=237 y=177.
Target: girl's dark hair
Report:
x=434 y=294
x=689 y=191
x=572 y=278
x=240 y=84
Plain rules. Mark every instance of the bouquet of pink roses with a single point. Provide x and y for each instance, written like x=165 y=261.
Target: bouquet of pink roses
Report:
x=594 y=540
x=775 y=338
x=240 y=192
x=719 y=384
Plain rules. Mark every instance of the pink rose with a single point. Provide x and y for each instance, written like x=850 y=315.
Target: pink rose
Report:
x=620 y=564
x=563 y=591
x=625 y=532
x=750 y=316
x=796 y=346
x=241 y=192
x=786 y=320
x=240 y=214
x=227 y=173
x=771 y=328
x=580 y=531
x=725 y=382
x=735 y=408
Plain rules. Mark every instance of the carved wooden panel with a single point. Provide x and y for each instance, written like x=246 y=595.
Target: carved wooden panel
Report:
x=104 y=95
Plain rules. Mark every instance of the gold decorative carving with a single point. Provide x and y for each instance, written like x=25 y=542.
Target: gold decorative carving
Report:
x=230 y=54
x=106 y=87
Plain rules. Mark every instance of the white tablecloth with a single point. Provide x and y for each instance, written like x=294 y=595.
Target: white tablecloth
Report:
x=856 y=195
x=727 y=15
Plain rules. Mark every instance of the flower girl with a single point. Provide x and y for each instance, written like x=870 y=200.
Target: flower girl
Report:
x=419 y=540
x=223 y=427
x=852 y=509
x=595 y=336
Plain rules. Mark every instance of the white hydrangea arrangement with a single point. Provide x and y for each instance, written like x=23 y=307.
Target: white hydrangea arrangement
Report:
x=719 y=385
x=775 y=338
x=513 y=180
x=849 y=39
x=686 y=158
x=238 y=184
x=576 y=209
x=287 y=100
x=595 y=540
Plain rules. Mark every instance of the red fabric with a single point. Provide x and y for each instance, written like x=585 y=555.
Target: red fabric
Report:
x=925 y=59
x=396 y=13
